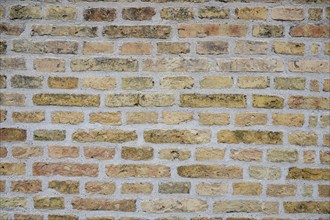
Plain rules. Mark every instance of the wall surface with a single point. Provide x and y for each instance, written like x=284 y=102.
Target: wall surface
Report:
x=164 y=109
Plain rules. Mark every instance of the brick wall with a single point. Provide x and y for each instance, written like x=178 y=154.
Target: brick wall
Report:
x=164 y=109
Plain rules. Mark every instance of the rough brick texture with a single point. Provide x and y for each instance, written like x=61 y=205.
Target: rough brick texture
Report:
x=164 y=109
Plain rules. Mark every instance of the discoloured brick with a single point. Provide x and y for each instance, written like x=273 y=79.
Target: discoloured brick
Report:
x=263 y=101
x=137 y=153
x=212 y=12
x=137 y=83
x=63 y=152
x=104 y=64
x=146 y=31
x=302 y=138
x=289 y=83
x=288 y=13
x=307 y=207
x=12 y=63
x=99 y=83
x=64 y=169
x=213 y=100
x=173 y=48
x=251 y=47
x=65 y=187
x=138 y=14
x=301 y=102
x=136 y=188
x=49 y=135
x=48 y=202
x=174 y=153
x=24 y=12
x=58 y=30
x=13 y=202
x=137 y=170
x=26 y=82
x=179 y=13
x=61 y=13
x=62 y=82
x=278 y=155
x=174 y=188
x=26 y=186
x=308 y=173
x=251 y=13
x=289 y=48
x=210 y=171
x=264 y=173
x=12 y=134
x=310 y=30
x=99 y=14
x=249 y=136
x=267 y=30
x=98 y=48
x=309 y=66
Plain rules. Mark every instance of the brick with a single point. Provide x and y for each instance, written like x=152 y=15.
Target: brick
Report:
x=99 y=153
x=212 y=12
x=171 y=118
x=210 y=171
x=307 y=207
x=301 y=102
x=314 y=86
x=105 y=118
x=26 y=82
x=27 y=217
x=145 y=31
x=12 y=134
x=65 y=186
x=308 y=174
x=99 y=14
x=66 y=100
x=289 y=48
x=264 y=101
x=3 y=83
x=250 y=119
x=211 y=189
x=99 y=83
x=326 y=140
x=324 y=190
x=63 y=152
x=12 y=99
x=137 y=170
x=174 y=188
x=104 y=188
x=48 y=202
x=11 y=29
x=26 y=186
x=308 y=190
x=3 y=154
x=141 y=117
x=315 y=14
x=278 y=155
x=264 y=173
x=177 y=82
x=206 y=118
x=216 y=82
x=211 y=30
x=177 y=13
x=98 y=48
x=63 y=82
x=64 y=169
x=310 y=30
x=61 y=12
x=253 y=82
x=212 y=154
x=24 y=12
x=247 y=206
x=291 y=120
x=309 y=156
x=3 y=47
x=250 y=65
x=327 y=48
x=3 y=115
x=174 y=153
x=247 y=155
x=267 y=30
x=164 y=1
x=176 y=65
x=104 y=64
x=138 y=14
x=177 y=136
x=325 y=121
x=290 y=83
x=252 y=13
x=122 y=100
x=49 y=135
x=302 y=138
x=325 y=157
x=113 y=136
x=156 y=100
x=247 y=188
x=12 y=63
x=28 y=117
x=67 y=117
x=63 y=217
x=137 y=83
x=136 y=188
x=49 y=65
x=1 y=11
x=174 y=205
x=309 y=66
x=288 y=13
x=136 y=48
x=212 y=47
x=13 y=202
x=173 y=48
x=27 y=152
x=137 y=153
x=59 y=30
x=249 y=137
x=213 y=100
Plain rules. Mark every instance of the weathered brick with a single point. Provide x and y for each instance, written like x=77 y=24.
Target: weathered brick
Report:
x=288 y=13
x=48 y=202
x=291 y=120
x=98 y=47
x=12 y=169
x=289 y=48
x=12 y=99
x=267 y=30
x=247 y=206
x=173 y=48
x=174 y=153
x=206 y=118
x=174 y=188
x=212 y=12
x=13 y=202
x=137 y=83
x=307 y=207
x=61 y=12
x=49 y=65
x=211 y=189
x=171 y=118
x=252 y=13
x=104 y=188
x=99 y=14
x=246 y=154
x=137 y=170
x=41 y=47
x=138 y=14
x=27 y=152
x=99 y=153
x=136 y=48
x=66 y=99
x=28 y=117
x=49 y=135
x=145 y=31
x=264 y=101
x=251 y=47
x=278 y=155
x=122 y=100
x=113 y=136
x=309 y=66
x=106 y=118
x=26 y=186
x=62 y=82
x=302 y=138
x=58 y=30
x=26 y=82
x=3 y=83
x=64 y=169
x=104 y=64
x=264 y=173
x=14 y=63
x=212 y=47
x=213 y=100
x=176 y=65
x=177 y=13
x=24 y=12
x=141 y=117
x=136 y=188
x=177 y=82
x=174 y=205
x=177 y=136
x=137 y=153
x=11 y=29
x=310 y=30
x=308 y=173
x=253 y=82
x=67 y=117
x=210 y=30
x=250 y=119
x=302 y=102
x=3 y=47
x=289 y=83
x=63 y=152
x=210 y=171
x=12 y=134
x=100 y=83
x=213 y=154
x=65 y=186
x=247 y=188
x=327 y=48
x=250 y=65
x=249 y=137
x=157 y=100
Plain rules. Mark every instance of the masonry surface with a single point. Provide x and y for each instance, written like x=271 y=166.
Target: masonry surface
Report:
x=164 y=109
